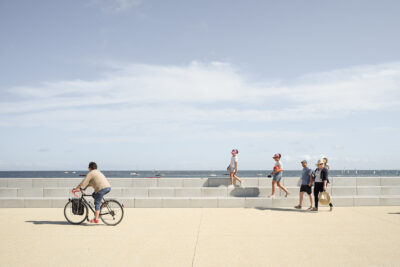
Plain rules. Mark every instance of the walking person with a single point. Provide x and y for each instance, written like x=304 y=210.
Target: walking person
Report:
x=306 y=184
x=277 y=175
x=321 y=183
x=233 y=167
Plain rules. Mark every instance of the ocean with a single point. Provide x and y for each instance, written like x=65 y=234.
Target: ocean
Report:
x=190 y=174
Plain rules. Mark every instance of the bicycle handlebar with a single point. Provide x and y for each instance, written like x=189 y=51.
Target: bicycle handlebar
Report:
x=80 y=190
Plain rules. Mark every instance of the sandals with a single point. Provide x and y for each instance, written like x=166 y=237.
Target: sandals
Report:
x=298 y=207
x=94 y=221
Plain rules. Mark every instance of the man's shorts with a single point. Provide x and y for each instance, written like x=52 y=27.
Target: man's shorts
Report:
x=305 y=188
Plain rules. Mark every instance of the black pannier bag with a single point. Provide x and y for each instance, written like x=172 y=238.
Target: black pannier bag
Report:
x=77 y=206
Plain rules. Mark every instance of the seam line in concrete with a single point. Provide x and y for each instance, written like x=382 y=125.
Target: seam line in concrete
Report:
x=197 y=238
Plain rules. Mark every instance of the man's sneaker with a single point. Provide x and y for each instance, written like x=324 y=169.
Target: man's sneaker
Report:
x=314 y=209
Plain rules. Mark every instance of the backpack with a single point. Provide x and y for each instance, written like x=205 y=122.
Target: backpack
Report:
x=77 y=206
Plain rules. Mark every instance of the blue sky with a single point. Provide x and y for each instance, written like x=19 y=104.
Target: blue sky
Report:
x=177 y=84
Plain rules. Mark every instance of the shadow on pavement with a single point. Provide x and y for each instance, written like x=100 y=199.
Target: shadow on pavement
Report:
x=283 y=209
x=60 y=223
x=394 y=213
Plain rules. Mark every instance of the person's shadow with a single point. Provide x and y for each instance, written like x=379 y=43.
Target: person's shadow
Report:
x=282 y=209
x=394 y=213
x=59 y=223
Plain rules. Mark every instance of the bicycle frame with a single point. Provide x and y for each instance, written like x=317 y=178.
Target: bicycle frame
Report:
x=88 y=204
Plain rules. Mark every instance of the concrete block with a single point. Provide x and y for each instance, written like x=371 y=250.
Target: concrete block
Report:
x=58 y=202
x=250 y=182
x=368 y=190
x=170 y=182
x=127 y=202
x=121 y=182
x=264 y=182
x=368 y=181
x=176 y=203
x=343 y=181
x=390 y=190
x=389 y=181
x=285 y=202
x=265 y=191
x=366 y=201
x=3 y=182
x=135 y=192
x=389 y=201
x=257 y=202
x=115 y=192
x=344 y=191
x=243 y=192
x=37 y=203
x=204 y=202
x=290 y=181
x=44 y=182
x=57 y=192
x=214 y=192
x=347 y=201
x=8 y=192
x=195 y=182
x=69 y=182
x=30 y=192
x=218 y=182
x=19 y=182
x=144 y=182
x=11 y=202
x=188 y=192
x=148 y=202
x=161 y=192
x=231 y=202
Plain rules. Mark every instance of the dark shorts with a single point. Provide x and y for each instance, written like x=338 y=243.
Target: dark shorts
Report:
x=305 y=188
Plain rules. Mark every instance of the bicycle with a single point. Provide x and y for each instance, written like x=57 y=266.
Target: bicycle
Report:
x=111 y=211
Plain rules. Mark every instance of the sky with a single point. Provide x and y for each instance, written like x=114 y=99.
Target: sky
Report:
x=176 y=85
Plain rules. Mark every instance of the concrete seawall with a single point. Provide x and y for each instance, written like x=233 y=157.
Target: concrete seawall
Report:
x=198 y=192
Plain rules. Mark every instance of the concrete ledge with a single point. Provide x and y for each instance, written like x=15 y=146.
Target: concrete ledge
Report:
x=3 y=182
x=366 y=201
x=45 y=182
x=258 y=202
x=250 y=182
x=57 y=192
x=38 y=203
x=161 y=192
x=390 y=190
x=389 y=201
x=214 y=192
x=176 y=203
x=8 y=192
x=243 y=192
x=216 y=182
x=135 y=192
x=342 y=201
x=343 y=181
x=121 y=182
x=144 y=182
x=368 y=190
x=285 y=202
x=69 y=182
x=30 y=192
x=188 y=192
x=19 y=182
x=148 y=202
x=389 y=181
x=11 y=202
x=368 y=181
x=204 y=202
x=290 y=181
x=195 y=182
x=170 y=182
x=344 y=191
x=231 y=203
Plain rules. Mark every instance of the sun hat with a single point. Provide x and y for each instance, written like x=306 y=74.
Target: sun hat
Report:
x=276 y=156
x=324 y=198
x=235 y=151
x=320 y=161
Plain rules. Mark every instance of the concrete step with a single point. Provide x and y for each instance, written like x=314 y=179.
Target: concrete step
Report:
x=201 y=191
x=210 y=202
x=190 y=182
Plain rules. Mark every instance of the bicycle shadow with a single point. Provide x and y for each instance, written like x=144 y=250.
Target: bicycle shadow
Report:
x=60 y=223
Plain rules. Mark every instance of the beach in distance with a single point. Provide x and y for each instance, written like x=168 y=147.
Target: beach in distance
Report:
x=190 y=174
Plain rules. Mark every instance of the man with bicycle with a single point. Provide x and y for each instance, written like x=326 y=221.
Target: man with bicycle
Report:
x=100 y=184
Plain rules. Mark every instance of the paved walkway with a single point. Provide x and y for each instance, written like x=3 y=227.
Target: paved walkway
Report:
x=361 y=236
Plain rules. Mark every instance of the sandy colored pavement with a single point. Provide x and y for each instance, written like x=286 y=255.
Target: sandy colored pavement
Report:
x=354 y=236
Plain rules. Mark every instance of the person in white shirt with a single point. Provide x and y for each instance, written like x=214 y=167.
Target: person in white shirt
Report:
x=233 y=167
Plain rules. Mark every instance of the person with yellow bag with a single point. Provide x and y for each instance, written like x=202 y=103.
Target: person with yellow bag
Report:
x=321 y=181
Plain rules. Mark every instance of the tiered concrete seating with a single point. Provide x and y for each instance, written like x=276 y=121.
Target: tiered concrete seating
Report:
x=198 y=192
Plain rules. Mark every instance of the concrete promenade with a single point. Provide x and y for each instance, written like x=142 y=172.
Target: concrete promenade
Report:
x=348 y=236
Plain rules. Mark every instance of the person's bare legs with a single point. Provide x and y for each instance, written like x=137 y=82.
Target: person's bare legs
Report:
x=283 y=188
x=301 y=199
x=96 y=215
x=311 y=200
x=237 y=178
x=273 y=188
x=231 y=177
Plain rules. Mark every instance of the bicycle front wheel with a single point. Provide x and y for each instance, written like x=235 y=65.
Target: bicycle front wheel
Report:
x=111 y=212
x=74 y=218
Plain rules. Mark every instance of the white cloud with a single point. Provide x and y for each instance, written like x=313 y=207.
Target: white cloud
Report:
x=115 y=6
x=139 y=98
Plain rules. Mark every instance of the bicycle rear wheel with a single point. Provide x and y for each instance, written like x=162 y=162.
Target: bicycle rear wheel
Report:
x=74 y=218
x=111 y=212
